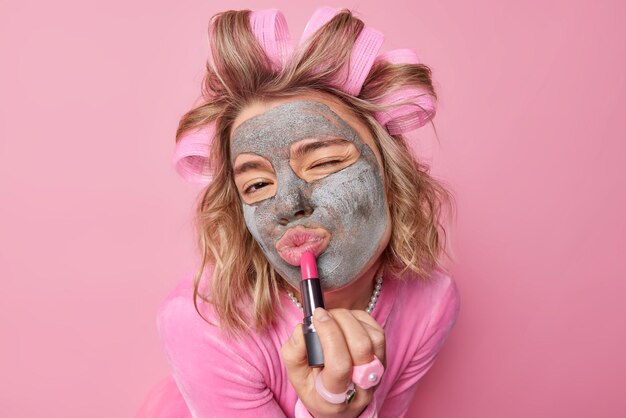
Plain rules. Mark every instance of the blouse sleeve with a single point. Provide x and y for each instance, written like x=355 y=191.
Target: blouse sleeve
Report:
x=216 y=377
x=443 y=318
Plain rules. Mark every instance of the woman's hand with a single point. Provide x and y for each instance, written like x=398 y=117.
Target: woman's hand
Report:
x=348 y=338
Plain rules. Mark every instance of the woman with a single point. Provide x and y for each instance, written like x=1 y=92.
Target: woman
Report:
x=306 y=154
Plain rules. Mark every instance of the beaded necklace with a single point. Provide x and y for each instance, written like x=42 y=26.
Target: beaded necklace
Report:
x=370 y=306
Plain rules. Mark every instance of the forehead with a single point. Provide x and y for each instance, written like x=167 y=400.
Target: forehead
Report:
x=273 y=131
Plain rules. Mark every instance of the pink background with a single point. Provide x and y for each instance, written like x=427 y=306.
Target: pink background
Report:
x=95 y=226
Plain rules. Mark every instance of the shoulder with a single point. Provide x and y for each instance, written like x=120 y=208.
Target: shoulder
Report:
x=214 y=370
x=195 y=343
x=424 y=312
x=429 y=295
x=177 y=309
x=186 y=328
x=179 y=324
x=431 y=304
x=183 y=314
x=446 y=302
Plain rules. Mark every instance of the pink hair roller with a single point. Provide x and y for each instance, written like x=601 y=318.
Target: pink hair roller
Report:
x=271 y=31
x=364 y=52
x=409 y=107
x=191 y=155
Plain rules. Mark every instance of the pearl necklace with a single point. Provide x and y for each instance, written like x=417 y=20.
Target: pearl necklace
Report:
x=370 y=306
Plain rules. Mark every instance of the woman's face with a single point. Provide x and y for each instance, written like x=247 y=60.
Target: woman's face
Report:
x=309 y=177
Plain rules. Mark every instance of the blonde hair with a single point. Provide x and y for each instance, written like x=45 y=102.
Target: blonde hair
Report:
x=241 y=73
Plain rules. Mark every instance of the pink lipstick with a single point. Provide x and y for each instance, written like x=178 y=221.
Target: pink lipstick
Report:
x=312 y=298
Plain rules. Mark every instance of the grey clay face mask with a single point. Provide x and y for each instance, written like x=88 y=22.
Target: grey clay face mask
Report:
x=349 y=203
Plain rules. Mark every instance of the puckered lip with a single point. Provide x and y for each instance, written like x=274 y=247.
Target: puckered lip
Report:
x=299 y=239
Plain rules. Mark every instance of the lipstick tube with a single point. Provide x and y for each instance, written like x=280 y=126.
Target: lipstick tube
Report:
x=312 y=297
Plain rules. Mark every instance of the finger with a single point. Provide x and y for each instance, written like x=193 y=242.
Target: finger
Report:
x=376 y=334
x=368 y=319
x=294 y=356
x=378 y=343
x=337 y=373
x=357 y=338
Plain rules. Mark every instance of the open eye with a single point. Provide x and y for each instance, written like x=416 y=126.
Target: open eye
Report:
x=254 y=177
x=255 y=187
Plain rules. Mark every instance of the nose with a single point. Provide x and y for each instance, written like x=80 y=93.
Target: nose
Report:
x=305 y=211
x=292 y=199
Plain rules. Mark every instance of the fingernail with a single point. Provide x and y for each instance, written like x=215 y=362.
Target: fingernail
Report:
x=321 y=314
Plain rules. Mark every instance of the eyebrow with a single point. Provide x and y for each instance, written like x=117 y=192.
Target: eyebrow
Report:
x=249 y=165
x=301 y=150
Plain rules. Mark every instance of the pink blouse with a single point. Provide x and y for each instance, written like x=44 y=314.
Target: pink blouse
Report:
x=220 y=377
